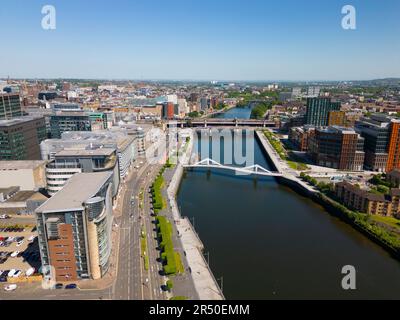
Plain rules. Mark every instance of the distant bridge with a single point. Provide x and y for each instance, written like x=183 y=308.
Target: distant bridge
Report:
x=254 y=169
x=215 y=122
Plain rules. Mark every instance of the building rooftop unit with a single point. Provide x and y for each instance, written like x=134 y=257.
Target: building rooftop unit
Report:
x=337 y=129
x=21 y=164
x=79 y=188
x=80 y=113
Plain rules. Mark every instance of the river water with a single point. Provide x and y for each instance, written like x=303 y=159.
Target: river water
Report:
x=239 y=113
x=268 y=242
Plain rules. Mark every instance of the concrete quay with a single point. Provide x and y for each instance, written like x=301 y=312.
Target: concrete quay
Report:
x=281 y=166
x=205 y=284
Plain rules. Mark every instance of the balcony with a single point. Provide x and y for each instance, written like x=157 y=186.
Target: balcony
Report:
x=55 y=165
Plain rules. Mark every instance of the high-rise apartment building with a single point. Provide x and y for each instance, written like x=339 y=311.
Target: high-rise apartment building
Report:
x=318 y=109
x=168 y=110
x=20 y=138
x=337 y=147
x=394 y=144
x=376 y=133
x=74 y=228
x=382 y=140
x=10 y=106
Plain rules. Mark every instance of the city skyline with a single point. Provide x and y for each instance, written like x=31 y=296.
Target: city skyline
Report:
x=260 y=41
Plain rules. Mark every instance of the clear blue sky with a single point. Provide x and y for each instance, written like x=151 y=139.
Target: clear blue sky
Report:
x=202 y=39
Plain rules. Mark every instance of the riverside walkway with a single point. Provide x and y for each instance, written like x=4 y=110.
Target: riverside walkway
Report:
x=204 y=281
x=281 y=165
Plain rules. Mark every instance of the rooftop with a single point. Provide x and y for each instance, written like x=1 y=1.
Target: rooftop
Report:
x=18 y=120
x=21 y=196
x=79 y=188
x=21 y=164
x=337 y=129
x=84 y=152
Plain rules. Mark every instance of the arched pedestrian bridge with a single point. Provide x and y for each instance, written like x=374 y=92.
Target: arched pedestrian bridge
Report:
x=254 y=169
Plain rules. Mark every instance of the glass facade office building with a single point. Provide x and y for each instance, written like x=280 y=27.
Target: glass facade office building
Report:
x=10 y=106
x=318 y=109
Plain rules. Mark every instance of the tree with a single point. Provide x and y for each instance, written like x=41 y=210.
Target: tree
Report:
x=169 y=285
x=193 y=114
x=220 y=106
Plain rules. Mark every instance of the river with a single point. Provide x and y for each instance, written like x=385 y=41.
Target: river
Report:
x=239 y=113
x=268 y=242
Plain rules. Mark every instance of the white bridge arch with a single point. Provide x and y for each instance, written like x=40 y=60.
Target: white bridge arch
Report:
x=254 y=169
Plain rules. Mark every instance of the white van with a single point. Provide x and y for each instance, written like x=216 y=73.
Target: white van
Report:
x=10 y=287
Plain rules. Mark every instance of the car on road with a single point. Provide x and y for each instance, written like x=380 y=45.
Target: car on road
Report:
x=71 y=286
x=10 y=287
x=58 y=286
x=4 y=216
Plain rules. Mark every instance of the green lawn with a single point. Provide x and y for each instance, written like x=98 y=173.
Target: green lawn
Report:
x=143 y=245
x=280 y=149
x=393 y=222
x=178 y=298
x=179 y=264
x=297 y=165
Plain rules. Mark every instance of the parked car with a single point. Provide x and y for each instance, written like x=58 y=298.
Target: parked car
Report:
x=20 y=243
x=10 y=287
x=15 y=254
x=30 y=272
x=11 y=273
x=71 y=286
x=58 y=286
x=31 y=238
x=5 y=273
x=17 y=274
